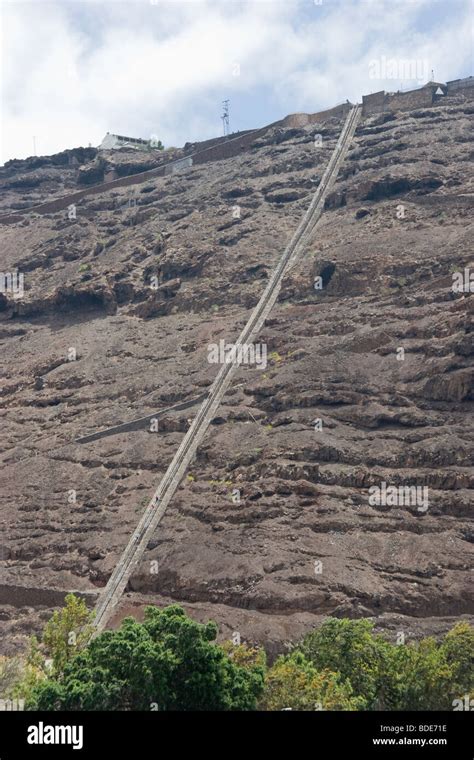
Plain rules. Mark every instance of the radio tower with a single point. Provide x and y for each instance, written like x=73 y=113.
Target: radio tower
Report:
x=225 y=117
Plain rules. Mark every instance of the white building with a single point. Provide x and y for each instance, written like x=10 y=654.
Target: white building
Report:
x=113 y=142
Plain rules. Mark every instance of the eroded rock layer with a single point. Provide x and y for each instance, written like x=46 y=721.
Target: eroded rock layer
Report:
x=369 y=380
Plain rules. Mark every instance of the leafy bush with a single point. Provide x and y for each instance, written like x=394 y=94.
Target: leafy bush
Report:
x=349 y=648
x=171 y=662
x=18 y=676
x=68 y=631
x=168 y=662
x=417 y=677
x=294 y=683
x=424 y=675
x=458 y=646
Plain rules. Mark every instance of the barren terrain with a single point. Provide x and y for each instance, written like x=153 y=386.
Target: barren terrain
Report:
x=397 y=226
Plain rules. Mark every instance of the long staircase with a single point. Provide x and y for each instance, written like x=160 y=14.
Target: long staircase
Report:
x=194 y=436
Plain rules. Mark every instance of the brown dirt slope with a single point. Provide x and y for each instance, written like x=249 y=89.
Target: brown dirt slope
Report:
x=397 y=226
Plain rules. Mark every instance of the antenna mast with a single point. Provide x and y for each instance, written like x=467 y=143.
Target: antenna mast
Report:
x=225 y=117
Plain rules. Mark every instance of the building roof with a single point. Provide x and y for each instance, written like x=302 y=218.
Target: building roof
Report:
x=122 y=138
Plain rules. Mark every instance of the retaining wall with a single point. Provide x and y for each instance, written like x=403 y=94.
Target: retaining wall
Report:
x=215 y=149
x=303 y=119
x=219 y=148
x=467 y=90
x=29 y=596
x=380 y=102
x=204 y=144
x=179 y=165
x=406 y=101
x=226 y=149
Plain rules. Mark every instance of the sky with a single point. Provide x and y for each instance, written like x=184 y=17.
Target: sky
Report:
x=72 y=70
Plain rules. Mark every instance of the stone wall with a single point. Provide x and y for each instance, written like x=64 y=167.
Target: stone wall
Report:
x=220 y=148
x=204 y=144
x=423 y=97
x=216 y=149
x=380 y=102
x=51 y=207
x=225 y=149
x=461 y=84
x=467 y=91
x=179 y=165
x=303 y=119
x=406 y=101
x=29 y=596
x=228 y=149
x=373 y=103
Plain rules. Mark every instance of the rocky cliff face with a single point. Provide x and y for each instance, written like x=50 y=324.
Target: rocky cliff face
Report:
x=369 y=380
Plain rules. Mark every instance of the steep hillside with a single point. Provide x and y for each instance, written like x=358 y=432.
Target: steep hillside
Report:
x=94 y=342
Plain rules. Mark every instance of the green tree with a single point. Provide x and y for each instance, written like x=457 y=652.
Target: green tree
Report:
x=349 y=648
x=244 y=655
x=458 y=646
x=18 y=676
x=67 y=632
x=64 y=635
x=168 y=662
x=429 y=675
x=11 y=670
x=417 y=677
x=294 y=683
